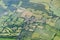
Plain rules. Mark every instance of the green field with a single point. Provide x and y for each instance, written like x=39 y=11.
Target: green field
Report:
x=7 y=39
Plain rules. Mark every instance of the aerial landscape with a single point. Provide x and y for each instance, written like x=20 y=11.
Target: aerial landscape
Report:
x=29 y=19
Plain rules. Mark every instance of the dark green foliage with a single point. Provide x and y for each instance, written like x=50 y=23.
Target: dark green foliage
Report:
x=10 y=23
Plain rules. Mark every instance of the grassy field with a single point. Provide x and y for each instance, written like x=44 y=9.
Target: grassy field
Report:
x=7 y=39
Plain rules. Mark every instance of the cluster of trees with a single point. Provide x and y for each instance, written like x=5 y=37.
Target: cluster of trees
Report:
x=10 y=23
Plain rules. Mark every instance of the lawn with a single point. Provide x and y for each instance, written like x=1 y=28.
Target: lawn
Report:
x=7 y=39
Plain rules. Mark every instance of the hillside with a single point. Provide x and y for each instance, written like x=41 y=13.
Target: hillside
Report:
x=30 y=19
